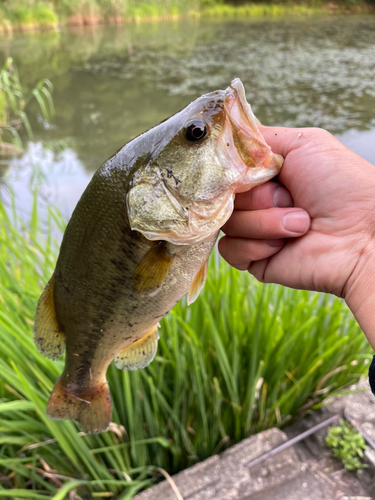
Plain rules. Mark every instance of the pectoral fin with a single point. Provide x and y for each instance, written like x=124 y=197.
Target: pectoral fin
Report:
x=48 y=335
x=197 y=284
x=141 y=353
x=152 y=269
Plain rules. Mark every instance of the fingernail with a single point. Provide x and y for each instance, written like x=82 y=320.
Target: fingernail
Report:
x=282 y=198
x=296 y=222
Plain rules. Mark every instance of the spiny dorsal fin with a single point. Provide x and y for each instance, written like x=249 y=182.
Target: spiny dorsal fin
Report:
x=197 y=284
x=153 y=268
x=48 y=335
x=141 y=353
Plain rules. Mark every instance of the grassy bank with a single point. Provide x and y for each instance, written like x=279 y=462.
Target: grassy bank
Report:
x=243 y=358
x=30 y=14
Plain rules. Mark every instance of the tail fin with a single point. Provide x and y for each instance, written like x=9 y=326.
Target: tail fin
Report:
x=92 y=410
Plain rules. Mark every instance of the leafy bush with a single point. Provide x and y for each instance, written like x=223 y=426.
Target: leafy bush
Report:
x=23 y=14
x=44 y=15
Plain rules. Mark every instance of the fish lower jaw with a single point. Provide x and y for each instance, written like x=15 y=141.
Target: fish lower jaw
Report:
x=256 y=176
x=191 y=238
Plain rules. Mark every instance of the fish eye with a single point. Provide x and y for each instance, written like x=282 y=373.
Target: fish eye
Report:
x=195 y=131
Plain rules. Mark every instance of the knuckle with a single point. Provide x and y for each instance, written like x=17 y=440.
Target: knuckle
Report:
x=257 y=270
x=321 y=134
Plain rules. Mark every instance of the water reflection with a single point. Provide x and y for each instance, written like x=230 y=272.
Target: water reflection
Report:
x=112 y=83
x=362 y=143
x=58 y=177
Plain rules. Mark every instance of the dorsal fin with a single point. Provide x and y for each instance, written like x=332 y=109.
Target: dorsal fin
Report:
x=48 y=335
x=141 y=353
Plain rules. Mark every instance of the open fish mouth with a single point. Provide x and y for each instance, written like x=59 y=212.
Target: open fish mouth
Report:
x=248 y=142
x=239 y=110
x=252 y=161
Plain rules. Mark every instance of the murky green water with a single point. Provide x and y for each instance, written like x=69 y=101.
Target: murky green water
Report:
x=112 y=83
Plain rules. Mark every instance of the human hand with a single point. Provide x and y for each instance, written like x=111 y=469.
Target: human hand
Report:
x=335 y=189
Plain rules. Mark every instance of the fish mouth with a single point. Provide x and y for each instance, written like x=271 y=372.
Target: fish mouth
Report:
x=249 y=144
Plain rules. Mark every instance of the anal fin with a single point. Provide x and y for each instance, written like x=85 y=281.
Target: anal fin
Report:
x=141 y=353
x=48 y=335
x=153 y=268
x=91 y=409
x=197 y=284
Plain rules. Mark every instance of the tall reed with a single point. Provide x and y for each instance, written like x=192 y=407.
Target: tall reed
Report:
x=13 y=104
x=243 y=358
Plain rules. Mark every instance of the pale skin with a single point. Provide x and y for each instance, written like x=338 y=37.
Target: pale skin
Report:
x=314 y=229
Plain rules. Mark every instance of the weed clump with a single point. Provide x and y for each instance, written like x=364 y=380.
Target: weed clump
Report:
x=348 y=445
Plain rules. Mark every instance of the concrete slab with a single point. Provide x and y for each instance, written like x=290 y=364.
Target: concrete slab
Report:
x=226 y=477
x=304 y=486
x=306 y=471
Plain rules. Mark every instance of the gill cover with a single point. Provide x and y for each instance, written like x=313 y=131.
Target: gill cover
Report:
x=153 y=211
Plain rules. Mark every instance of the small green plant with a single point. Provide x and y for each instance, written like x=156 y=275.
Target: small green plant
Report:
x=348 y=445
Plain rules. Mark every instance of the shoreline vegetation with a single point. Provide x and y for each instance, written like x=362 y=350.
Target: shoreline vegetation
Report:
x=39 y=14
x=243 y=358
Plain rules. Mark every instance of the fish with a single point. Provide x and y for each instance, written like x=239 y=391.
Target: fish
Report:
x=139 y=240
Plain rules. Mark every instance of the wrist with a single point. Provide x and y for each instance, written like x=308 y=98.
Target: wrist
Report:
x=360 y=295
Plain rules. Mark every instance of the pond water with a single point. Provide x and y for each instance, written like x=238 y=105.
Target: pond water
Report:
x=113 y=82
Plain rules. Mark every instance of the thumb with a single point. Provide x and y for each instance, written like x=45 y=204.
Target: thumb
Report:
x=283 y=140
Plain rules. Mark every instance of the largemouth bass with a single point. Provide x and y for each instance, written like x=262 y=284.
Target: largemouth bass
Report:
x=139 y=240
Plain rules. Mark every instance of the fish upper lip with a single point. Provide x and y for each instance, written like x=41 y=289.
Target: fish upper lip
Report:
x=240 y=110
x=236 y=93
x=248 y=140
